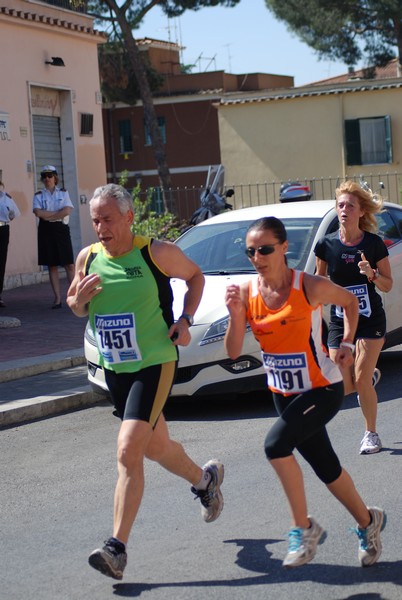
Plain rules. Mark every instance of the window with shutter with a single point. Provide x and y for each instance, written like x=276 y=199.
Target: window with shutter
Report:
x=368 y=141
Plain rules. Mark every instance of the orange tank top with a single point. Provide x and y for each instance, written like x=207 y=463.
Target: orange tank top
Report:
x=294 y=357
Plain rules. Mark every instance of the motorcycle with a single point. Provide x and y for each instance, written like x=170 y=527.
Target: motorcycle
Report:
x=212 y=199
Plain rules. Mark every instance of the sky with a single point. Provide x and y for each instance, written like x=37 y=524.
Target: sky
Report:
x=243 y=39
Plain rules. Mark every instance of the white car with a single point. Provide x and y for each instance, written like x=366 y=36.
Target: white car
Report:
x=217 y=246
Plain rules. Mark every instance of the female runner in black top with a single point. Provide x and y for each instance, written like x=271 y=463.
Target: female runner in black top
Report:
x=356 y=258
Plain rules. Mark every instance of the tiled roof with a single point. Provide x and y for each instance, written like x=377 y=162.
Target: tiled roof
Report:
x=49 y=20
x=389 y=71
x=161 y=43
x=323 y=89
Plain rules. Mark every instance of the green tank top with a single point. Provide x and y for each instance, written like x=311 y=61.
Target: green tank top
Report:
x=131 y=316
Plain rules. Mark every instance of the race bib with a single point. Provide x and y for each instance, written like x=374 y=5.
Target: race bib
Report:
x=361 y=293
x=287 y=373
x=116 y=338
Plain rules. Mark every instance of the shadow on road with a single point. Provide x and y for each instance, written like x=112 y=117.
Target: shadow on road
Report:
x=253 y=555
x=257 y=405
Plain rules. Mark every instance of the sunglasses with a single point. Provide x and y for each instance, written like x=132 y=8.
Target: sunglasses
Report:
x=263 y=250
x=47 y=175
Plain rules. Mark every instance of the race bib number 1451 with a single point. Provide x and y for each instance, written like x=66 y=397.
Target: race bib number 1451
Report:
x=116 y=338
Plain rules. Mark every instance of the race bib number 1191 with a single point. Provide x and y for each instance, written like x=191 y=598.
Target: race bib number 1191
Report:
x=287 y=373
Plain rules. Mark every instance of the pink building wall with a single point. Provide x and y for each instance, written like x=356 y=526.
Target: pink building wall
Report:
x=32 y=33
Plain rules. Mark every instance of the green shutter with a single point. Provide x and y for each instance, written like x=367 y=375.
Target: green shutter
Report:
x=352 y=141
x=125 y=138
x=162 y=130
x=388 y=137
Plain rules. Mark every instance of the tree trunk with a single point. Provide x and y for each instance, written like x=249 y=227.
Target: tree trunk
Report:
x=149 y=113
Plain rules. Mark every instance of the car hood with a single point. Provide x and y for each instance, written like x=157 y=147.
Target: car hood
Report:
x=212 y=305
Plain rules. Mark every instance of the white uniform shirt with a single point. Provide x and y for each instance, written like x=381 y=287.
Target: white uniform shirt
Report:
x=52 y=201
x=7 y=208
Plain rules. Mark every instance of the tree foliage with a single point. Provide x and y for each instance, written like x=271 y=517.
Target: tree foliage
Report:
x=346 y=30
x=117 y=77
x=136 y=10
x=147 y=221
x=124 y=16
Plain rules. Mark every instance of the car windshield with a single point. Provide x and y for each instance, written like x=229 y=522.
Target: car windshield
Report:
x=220 y=248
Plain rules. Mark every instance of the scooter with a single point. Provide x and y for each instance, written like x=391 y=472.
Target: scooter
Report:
x=293 y=191
x=212 y=199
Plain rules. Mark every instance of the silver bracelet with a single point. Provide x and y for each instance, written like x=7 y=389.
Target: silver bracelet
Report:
x=351 y=347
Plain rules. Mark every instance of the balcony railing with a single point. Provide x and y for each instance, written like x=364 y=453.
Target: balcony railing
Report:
x=74 y=5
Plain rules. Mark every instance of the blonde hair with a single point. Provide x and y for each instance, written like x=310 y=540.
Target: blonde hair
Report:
x=371 y=203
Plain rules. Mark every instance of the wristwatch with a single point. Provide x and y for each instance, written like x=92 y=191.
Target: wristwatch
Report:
x=189 y=318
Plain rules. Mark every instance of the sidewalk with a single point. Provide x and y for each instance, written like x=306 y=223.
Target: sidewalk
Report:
x=34 y=340
x=43 y=331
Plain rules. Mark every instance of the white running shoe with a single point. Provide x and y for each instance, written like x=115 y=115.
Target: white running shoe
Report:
x=370 y=443
x=211 y=498
x=369 y=539
x=376 y=378
x=303 y=544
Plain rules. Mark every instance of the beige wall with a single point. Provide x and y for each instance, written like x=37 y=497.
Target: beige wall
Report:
x=301 y=138
x=30 y=87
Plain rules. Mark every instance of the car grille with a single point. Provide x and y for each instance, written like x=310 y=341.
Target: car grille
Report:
x=188 y=373
x=185 y=374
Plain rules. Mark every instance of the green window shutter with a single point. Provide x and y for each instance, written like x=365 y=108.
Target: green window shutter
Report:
x=352 y=141
x=125 y=137
x=388 y=138
x=162 y=130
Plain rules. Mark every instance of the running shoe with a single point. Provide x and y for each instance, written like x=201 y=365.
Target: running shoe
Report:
x=211 y=498
x=303 y=544
x=110 y=560
x=370 y=443
x=376 y=378
x=369 y=539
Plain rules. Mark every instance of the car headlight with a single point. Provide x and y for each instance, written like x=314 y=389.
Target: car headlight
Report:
x=89 y=335
x=216 y=331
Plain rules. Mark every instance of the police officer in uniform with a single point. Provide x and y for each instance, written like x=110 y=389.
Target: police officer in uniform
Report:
x=8 y=211
x=53 y=206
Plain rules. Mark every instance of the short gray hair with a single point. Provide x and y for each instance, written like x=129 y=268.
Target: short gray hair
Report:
x=116 y=192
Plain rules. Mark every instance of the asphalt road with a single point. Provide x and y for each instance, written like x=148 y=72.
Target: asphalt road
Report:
x=56 y=493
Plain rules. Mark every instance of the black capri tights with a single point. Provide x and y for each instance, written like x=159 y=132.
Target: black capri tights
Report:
x=301 y=424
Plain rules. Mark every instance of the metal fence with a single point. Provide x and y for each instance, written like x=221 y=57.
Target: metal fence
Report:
x=184 y=201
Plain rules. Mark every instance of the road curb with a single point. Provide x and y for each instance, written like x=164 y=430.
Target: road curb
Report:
x=18 y=412
x=6 y=322
x=27 y=367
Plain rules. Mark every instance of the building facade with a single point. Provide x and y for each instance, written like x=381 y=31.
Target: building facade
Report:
x=50 y=113
x=188 y=122
x=332 y=130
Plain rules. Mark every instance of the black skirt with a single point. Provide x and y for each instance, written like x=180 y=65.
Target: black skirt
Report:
x=54 y=244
